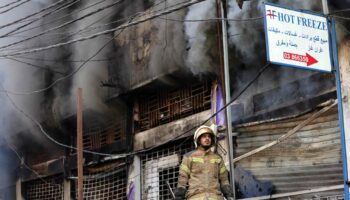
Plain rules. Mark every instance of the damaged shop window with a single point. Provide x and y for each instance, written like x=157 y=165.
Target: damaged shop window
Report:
x=157 y=174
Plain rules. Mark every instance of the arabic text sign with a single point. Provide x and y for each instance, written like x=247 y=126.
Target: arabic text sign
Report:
x=297 y=38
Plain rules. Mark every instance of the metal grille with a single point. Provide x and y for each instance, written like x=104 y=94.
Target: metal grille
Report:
x=160 y=167
x=98 y=137
x=165 y=106
x=105 y=185
x=50 y=188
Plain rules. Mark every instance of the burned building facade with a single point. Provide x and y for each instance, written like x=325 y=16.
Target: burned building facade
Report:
x=147 y=83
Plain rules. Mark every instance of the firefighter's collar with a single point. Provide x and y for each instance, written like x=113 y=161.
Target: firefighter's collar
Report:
x=202 y=149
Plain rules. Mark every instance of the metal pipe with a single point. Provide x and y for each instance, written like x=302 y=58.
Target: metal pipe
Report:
x=228 y=97
x=80 y=144
x=137 y=181
x=325 y=7
x=170 y=189
x=19 y=190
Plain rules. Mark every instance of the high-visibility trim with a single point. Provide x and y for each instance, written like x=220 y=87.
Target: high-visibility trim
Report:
x=199 y=160
x=222 y=170
x=215 y=160
x=185 y=169
x=203 y=197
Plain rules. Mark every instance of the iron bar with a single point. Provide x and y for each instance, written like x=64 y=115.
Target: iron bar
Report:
x=80 y=144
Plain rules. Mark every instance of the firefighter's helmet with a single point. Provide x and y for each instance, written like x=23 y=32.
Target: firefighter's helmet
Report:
x=202 y=130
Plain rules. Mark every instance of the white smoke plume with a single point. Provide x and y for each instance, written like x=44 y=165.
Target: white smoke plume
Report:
x=90 y=76
x=169 y=49
x=198 y=59
x=19 y=77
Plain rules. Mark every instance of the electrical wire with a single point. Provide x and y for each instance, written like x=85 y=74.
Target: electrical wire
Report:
x=115 y=156
x=123 y=155
x=62 y=17
x=54 y=60
x=63 y=25
x=9 y=4
x=31 y=15
x=81 y=31
x=28 y=167
x=16 y=6
x=122 y=27
x=92 y=60
x=341 y=17
x=36 y=66
x=192 y=2
x=100 y=33
x=52 y=11
x=213 y=19
x=74 y=12
x=20 y=158
x=38 y=123
x=339 y=11
x=91 y=28
x=261 y=71
x=62 y=7
x=123 y=19
x=43 y=131
x=101 y=60
x=51 y=85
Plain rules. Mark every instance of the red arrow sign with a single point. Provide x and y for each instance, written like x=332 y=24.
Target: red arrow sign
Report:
x=309 y=60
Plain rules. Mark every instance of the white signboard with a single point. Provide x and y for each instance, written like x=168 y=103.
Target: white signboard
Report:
x=297 y=38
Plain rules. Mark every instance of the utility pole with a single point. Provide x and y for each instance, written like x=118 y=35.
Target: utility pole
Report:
x=341 y=84
x=80 y=144
x=227 y=95
x=344 y=137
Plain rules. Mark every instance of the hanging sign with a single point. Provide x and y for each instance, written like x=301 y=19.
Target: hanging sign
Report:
x=297 y=38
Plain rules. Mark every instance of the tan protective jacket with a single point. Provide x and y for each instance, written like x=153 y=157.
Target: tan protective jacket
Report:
x=203 y=172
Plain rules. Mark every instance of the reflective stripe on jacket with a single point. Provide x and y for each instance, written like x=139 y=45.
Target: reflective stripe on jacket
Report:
x=203 y=172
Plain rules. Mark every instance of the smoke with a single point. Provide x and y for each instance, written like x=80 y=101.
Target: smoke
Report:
x=199 y=44
x=166 y=44
x=131 y=55
x=247 y=43
x=58 y=103
x=19 y=77
x=90 y=76
x=168 y=51
x=246 y=36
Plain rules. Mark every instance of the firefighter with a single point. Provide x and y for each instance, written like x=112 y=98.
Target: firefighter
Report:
x=202 y=174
